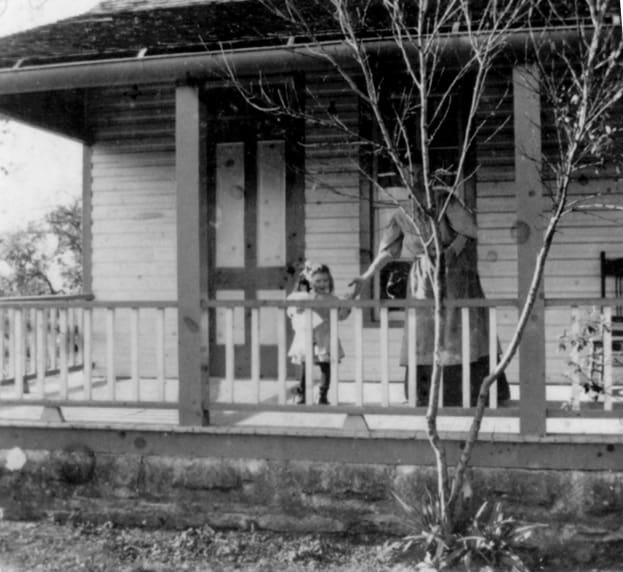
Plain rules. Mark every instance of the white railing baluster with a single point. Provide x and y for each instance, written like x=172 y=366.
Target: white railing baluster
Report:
x=71 y=337
x=229 y=354
x=607 y=349
x=52 y=338
x=11 y=343
x=281 y=356
x=255 y=353
x=575 y=380
x=19 y=345
x=309 y=356
x=160 y=365
x=440 y=394
x=79 y=336
x=63 y=356
x=4 y=374
x=87 y=353
x=358 y=340
x=31 y=342
x=412 y=359
x=40 y=344
x=384 y=355
x=134 y=354
x=493 y=355
x=110 y=354
x=334 y=355
x=466 y=358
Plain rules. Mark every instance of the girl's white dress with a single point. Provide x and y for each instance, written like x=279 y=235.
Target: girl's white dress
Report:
x=321 y=330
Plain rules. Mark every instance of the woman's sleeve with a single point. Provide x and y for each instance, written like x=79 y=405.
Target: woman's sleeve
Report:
x=461 y=219
x=392 y=237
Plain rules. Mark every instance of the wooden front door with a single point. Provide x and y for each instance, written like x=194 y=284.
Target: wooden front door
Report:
x=256 y=228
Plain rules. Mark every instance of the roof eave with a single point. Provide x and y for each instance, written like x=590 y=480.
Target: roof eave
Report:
x=188 y=67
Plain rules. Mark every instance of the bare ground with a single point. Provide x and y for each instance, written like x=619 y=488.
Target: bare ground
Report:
x=52 y=547
x=47 y=546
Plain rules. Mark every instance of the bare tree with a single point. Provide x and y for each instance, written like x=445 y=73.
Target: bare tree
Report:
x=432 y=51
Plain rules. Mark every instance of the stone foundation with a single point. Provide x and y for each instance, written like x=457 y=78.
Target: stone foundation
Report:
x=580 y=508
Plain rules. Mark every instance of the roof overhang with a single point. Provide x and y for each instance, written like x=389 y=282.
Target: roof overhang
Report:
x=204 y=66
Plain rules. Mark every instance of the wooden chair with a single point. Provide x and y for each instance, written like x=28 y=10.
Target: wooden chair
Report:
x=611 y=286
x=612 y=268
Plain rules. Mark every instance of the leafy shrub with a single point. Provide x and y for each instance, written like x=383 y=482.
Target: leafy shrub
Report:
x=488 y=541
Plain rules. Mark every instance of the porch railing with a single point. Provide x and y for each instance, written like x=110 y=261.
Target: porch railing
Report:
x=359 y=400
x=66 y=351
x=77 y=352
x=283 y=383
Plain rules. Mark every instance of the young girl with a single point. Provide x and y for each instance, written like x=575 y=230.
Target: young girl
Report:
x=320 y=282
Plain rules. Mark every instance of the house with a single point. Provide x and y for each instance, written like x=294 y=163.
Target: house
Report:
x=199 y=211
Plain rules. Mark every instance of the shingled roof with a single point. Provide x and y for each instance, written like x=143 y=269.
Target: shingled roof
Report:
x=125 y=28
x=136 y=28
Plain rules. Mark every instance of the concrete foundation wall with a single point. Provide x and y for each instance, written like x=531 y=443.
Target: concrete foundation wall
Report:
x=581 y=508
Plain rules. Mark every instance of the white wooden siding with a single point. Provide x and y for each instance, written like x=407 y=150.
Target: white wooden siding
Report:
x=133 y=214
x=573 y=268
x=332 y=181
x=134 y=219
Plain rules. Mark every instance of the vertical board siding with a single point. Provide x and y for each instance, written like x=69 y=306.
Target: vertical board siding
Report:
x=133 y=215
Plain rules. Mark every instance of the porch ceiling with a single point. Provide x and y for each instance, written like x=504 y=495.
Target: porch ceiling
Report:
x=61 y=111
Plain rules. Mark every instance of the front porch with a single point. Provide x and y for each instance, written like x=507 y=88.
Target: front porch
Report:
x=80 y=361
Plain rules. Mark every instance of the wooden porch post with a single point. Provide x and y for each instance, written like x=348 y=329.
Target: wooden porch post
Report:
x=87 y=230
x=190 y=166
x=529 y=194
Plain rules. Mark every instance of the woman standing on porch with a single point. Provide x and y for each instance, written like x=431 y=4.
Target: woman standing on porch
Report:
x=403 y=238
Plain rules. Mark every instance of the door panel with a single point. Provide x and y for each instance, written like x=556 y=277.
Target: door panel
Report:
x=249 y=245
x=271 y=203
x=256 y=233
x=229 y=207
x=255 y=188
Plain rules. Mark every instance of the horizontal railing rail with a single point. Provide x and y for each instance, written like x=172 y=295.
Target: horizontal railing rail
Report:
x=56 y=298
x=385 y=303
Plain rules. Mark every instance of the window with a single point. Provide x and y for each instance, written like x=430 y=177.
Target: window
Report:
x=391 y=282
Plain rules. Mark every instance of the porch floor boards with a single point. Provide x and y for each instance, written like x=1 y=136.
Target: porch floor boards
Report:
x=244 y=393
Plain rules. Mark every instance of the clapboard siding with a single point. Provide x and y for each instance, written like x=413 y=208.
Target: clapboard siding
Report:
x=134 y=214
x=133 y=192
x=332 y=178
x=497 y=248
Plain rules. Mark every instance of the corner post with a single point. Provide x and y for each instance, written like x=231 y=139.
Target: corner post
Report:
x=190 y=167
x=529 y=195
x=87 y=217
